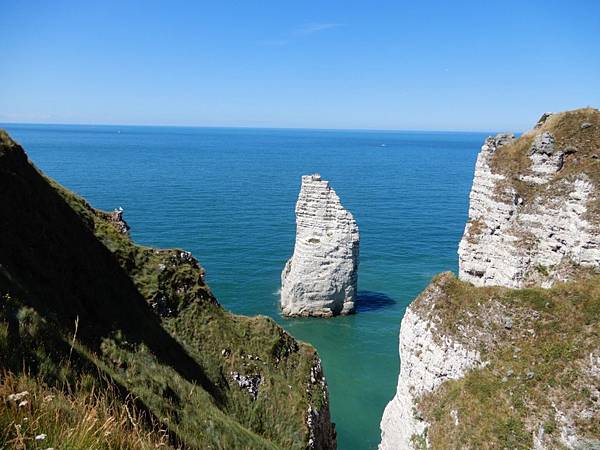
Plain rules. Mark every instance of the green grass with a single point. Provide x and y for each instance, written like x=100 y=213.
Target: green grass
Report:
x=192 y=315
x=541 y=362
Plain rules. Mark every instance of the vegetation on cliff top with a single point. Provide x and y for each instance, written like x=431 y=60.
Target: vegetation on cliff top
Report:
x=576 y=133
x=542 y=371
x=81 y=301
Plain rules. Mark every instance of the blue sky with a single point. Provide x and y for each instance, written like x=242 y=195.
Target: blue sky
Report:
x=478 y=65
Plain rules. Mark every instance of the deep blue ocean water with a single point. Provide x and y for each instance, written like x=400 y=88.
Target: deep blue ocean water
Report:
x=228 y=195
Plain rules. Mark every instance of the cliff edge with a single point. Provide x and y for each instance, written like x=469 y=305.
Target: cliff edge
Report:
x=507 y=356
x=534 y=206
x=82 y=307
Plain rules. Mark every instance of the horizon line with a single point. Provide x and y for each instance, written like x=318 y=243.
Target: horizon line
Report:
x=250 y=127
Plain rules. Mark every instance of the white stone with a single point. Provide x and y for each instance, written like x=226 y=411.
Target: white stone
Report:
x=517 y=244
x=546 y=159
x=320 y=279
x=425 y=364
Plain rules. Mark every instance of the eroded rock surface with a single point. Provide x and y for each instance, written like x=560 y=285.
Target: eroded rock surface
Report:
x=533 y=221
x=116 y=217
x=427 y=362
x=321 y=277
x=533 y=227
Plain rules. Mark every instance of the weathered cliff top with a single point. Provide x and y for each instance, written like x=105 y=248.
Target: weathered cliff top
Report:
x=540 y=380
x=508 y=355
x=574 y=134
x=534 y=212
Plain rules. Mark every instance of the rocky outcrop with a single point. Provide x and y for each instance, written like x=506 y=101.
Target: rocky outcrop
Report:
x=250 y=383
x=546 y=159
x=486 y=368
x=322 y=434
x=116 y=218
x=320 y=279
x=533 y=221
x=529 y=224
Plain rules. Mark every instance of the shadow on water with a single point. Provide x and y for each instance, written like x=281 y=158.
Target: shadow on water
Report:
x=371 y=301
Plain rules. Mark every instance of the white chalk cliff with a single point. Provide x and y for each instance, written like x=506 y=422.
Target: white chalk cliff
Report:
x=320 y=279
x=532 y=222
x=516 y=243
x=426 y=363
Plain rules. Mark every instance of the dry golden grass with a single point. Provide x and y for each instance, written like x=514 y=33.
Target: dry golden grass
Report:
x=85 y=418
x=476 y=228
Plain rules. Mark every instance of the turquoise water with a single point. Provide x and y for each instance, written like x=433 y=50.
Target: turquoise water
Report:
x=228 y=195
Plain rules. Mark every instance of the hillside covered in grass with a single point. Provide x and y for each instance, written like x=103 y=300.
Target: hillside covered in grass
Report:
x=540 y=380
x=85 y=310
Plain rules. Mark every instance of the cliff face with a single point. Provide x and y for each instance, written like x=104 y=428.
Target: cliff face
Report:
x=493 y=367
x=81 y=301
x=427 y=362
x=486 y=365
x=320 y=279
x=532 y=215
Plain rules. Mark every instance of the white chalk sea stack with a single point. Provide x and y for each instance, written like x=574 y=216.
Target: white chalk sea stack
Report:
x=320 y=279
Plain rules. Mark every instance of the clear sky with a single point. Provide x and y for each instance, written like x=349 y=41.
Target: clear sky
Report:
x=447 y=65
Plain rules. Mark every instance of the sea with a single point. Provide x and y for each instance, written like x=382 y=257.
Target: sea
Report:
x=228 y=196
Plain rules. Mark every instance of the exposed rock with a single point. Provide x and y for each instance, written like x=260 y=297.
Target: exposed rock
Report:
x=531 y=225
x=427 y=362
x=454 y=415
x=321 y=277
x=17 y=397
x=546 y=159
x=585 y=125
x=542 y=120
x=511 y=243
x=116 y=218
x=322 y=433
x=538 y=439
x=455 y=330
x=251 y=383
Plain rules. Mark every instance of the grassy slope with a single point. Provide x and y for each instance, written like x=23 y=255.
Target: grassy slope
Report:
x=543 y=361
x=82 y=419
x=147 y=321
